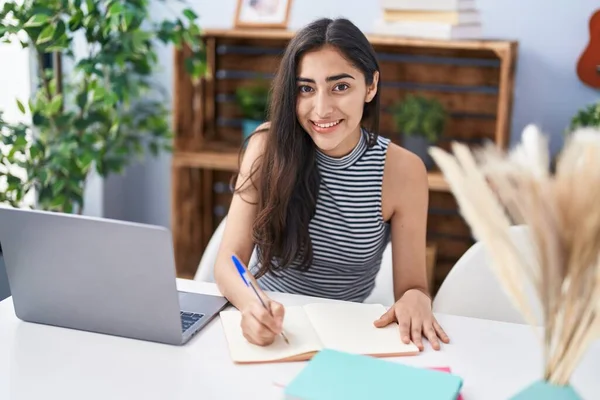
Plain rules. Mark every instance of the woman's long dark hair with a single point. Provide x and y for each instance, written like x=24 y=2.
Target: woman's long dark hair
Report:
x=287 y=175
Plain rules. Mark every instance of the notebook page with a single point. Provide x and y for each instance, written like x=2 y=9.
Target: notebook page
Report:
x=349 y=327
x=296 y=325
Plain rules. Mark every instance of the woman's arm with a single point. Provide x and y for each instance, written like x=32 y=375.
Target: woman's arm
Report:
x=259 y=325
x=405 y=201
x=237 y=236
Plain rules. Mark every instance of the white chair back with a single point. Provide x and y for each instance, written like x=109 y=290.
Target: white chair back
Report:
x=205 y=271
x=471 y=288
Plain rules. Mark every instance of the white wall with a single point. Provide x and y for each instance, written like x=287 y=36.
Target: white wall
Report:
x=15 y=78
x=547 y=90
x=14 y=83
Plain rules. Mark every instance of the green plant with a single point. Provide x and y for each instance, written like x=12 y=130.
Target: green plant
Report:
x=589 y=116
x=105 y=113
x=253 y=100
x=419 y=116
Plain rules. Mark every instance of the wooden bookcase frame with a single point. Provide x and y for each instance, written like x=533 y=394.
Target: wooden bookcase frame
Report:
x=474 y=79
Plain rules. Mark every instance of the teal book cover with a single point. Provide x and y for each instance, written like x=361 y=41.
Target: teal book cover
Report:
x=335 y=375
x=547 y=391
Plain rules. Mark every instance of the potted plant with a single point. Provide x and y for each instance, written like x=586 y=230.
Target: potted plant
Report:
x=253 y=101
x=102 y=113
x=421 y=122
x=589 y=116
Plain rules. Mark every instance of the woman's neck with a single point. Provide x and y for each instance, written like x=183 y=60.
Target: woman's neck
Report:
x=346 y=146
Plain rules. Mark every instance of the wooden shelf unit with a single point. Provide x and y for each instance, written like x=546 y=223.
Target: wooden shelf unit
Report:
x=228 y=160
x=473 y=79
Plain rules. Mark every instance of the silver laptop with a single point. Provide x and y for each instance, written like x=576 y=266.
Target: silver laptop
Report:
x=99 y=275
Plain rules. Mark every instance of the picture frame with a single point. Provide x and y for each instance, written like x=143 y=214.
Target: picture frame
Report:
x=262 y=13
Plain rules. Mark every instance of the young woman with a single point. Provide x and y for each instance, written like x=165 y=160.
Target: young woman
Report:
x=320 y=194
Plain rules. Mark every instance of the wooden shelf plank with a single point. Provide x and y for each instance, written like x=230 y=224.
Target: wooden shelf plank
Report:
x=210 y=159
x=437 y=182
x=227 y=160
x=284 y=34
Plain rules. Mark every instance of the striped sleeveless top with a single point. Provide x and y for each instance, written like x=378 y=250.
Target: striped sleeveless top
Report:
x=348 y=233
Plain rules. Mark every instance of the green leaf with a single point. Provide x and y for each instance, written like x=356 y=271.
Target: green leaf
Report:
x=191 y=15
x=86 y=160
x=21 y=106
x=43 y=175
x=75 y=21
x=116 y=8
x=20 y=142
x=58 y=201
x=46 y=34
x=127 y=19
x=55 y=104
x=81 y=99
x=37 y=20
x=34 y=152
x=67 y=208
x=110 y=99
x=58 y=186
x=38 y=119
x=13 y=180
x=8 y=7
x=91 y=5
x=59 y=32
x=99 y=93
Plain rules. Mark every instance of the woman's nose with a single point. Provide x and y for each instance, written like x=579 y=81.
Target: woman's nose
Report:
x=323 y=105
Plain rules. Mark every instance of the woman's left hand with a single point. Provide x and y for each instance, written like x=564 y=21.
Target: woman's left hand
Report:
x=415 y=319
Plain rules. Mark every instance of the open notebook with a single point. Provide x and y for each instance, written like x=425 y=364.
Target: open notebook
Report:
x=339 y=326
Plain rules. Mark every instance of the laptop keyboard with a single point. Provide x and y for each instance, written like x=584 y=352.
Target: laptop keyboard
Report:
x=188 y=319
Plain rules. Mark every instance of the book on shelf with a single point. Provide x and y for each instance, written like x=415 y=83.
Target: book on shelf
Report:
x=428 y=30
x=428 y=5
x=444 y=17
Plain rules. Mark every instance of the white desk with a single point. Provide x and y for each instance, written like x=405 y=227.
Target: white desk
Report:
x=41 y=362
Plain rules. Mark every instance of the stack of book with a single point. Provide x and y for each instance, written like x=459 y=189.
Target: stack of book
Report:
x=431 y=19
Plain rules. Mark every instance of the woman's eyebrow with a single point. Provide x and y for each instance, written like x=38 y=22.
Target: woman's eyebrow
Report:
x=328 y=79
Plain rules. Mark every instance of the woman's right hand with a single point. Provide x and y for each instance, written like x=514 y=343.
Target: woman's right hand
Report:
x=258 y=325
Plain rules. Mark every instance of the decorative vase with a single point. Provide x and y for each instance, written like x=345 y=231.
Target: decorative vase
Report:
x=545 y=390
x=418 y=145
x=249 y=126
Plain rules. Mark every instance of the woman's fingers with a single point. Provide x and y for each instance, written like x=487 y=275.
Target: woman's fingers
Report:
x=259 y=326
x=431 y=335
x=404 y=325
x=255 y=332
x=278 y=312
x=440 y=332
x=416 y=325
x=264 y=316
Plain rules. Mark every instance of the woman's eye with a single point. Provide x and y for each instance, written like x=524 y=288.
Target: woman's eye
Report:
x=341 y=87
x=304 y=89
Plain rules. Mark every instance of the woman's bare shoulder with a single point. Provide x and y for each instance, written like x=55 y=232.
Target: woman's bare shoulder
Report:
x=404 y=180
x=405 y=167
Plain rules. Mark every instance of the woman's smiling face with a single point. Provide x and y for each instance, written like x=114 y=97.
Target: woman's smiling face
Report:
x=331 y=94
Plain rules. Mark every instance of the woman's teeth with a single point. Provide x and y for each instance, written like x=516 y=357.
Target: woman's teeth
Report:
x=328 y=125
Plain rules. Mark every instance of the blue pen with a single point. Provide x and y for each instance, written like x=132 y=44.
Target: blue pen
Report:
x=243 y=273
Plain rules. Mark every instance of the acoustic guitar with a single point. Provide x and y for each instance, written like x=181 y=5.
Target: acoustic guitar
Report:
x=588 y=66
